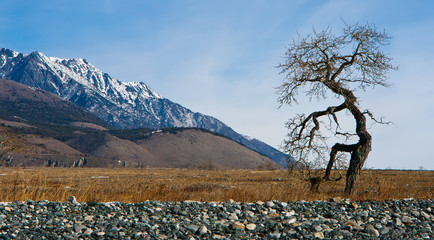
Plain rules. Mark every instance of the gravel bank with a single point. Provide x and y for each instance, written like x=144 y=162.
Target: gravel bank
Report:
x=335 y=219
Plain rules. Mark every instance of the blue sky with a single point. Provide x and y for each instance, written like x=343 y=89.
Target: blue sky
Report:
x=219 y=57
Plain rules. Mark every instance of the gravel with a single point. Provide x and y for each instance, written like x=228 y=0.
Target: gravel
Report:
x=334 y=219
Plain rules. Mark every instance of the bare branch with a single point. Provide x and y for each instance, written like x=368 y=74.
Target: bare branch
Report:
x=379 y=121
x=324 y=63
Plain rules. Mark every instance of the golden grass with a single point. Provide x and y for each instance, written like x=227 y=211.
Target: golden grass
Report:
x=138 y=185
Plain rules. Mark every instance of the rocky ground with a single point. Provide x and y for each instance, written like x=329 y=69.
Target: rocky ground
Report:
x=334 y=219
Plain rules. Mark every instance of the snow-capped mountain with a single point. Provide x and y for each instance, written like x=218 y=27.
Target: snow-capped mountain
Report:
x=120 y=104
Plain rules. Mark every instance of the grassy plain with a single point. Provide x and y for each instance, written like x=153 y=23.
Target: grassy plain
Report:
x=138 y=185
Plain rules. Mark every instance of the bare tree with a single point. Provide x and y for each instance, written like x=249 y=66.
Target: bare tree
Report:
x=325 y=64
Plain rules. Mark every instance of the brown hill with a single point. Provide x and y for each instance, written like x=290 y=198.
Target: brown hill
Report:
x=55 y=132
x=190 y=148
x=198 y=149
x=41 y=107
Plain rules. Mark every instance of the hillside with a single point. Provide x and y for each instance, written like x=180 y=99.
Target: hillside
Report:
x=190 y=148
x=41 y=107
x=59 y=133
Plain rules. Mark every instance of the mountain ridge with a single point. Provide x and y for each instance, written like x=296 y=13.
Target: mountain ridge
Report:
x=121 y=105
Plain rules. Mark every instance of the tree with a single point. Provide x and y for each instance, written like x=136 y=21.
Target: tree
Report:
x=324 y=64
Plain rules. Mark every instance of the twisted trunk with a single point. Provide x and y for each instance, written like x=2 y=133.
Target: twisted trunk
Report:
x=360 y=150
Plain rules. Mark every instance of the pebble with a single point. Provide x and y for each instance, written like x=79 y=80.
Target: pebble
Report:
x=373 y=232
x=398 y=222
x=275 y=235
x=238 y=225
x=406 y=219
x=384 y=230
x=317 y=228
x=319 y=235
x=335 y=219
x=251 y=226
x=72 y=200
x=203 y=230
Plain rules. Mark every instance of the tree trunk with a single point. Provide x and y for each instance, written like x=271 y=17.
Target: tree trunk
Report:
x=357 y=161
x=361 y=152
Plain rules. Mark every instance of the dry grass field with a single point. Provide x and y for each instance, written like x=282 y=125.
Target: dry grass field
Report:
x=137 y=185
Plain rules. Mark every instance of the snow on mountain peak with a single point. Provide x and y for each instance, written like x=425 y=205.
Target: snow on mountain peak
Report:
x=83 y=72
x=65 y=76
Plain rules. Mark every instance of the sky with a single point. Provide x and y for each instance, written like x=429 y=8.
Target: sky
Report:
x=219 y=58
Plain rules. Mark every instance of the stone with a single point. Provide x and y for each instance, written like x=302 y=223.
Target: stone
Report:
x=273 y=215
x=162 y=236
x=384 y=230
x=354 y=205
x=415 y=213
x=353 y=225
x=291 y=221
x=406 y=219
x=275 y=235
x=378 y=226
x=345 y=233
x=78 y=228
x=373 y=232
x=203 y=230
x=329 y=214
x=270 y=204
x=217 y=236
x=398 y=222
x=317 y=228
x=233 y=216
x=193 y=228
x=318 y=235
x=369 y=226
x=335 y=234
x=238 y=225
x=336 y=199
x=425 y=215
x=364 y=214
x=88 y=231
x=72 y=200
x=251 y=226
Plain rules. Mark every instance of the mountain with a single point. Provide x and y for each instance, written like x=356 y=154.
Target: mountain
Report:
x=121 y=105
x=55 y=132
